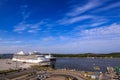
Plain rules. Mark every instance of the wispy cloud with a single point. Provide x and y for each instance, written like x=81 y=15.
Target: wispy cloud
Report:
x=47 y=39
x=55 y=38
x=10 y=41
x=101 y=39
x=75 y=19
x=77 y=10
x=33 y=31
x=97 y=23
x=110 y=6
x=78 y=46
x=75 y=14
x=22 y=26
x=107 y=32
x=25 y=26
x=25 y=14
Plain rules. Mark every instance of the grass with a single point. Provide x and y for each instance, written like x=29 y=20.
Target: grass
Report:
x=37 y=67
x=8 y=71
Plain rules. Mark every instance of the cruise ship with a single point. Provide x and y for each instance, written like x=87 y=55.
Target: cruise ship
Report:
x=50 y=57
x=33 y=57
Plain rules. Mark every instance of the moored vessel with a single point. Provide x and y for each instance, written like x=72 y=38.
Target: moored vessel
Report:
x=50 y=57
x=31 y=58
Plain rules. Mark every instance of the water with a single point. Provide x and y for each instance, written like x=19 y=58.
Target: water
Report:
x=87 y=64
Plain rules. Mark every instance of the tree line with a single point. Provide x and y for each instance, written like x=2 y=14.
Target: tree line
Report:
x=111 y=55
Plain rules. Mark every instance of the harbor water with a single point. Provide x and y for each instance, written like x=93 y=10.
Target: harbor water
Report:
x=87 y=64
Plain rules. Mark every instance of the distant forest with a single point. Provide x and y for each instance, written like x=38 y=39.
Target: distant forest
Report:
x=111 y=55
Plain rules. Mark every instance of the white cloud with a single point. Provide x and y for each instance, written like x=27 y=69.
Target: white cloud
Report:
x=112 y=31
x=75 y=14
x=63 y=38
x=76 y=46
x=75 y=19
x=47 y=39
x=88 y=25
x=83 y=46
x=81 y=9
x=10 y=41
x=34 y=30
x=95 y=46
x=113 y=5
x=24 y=12
x=22 y=26
x=32 y=27
x=97 y=23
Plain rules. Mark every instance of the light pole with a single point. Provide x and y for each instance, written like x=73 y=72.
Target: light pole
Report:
x=16 y=60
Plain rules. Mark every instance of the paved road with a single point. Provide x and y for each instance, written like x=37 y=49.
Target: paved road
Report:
x=52 y=74
x=15 y=74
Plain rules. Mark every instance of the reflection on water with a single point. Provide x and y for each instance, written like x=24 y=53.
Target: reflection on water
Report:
x=87 y=64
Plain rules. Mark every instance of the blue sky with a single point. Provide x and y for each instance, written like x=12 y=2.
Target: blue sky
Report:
x=60 y=26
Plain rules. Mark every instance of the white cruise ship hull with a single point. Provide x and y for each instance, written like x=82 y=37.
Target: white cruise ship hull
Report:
x=42 y=63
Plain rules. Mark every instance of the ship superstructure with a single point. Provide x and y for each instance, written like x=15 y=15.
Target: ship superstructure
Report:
x=31 y=58
x=50 y=57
